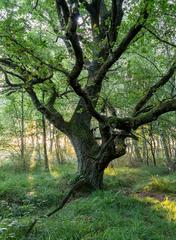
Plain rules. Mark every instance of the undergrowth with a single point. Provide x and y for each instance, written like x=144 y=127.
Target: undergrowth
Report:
x=120 y=212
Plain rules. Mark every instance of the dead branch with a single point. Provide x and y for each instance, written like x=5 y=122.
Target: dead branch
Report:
x=77 y=185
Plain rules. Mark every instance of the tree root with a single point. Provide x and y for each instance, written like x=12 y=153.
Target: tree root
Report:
x=82 y=181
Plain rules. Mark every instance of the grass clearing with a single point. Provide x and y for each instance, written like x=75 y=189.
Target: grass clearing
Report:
x=121 y=211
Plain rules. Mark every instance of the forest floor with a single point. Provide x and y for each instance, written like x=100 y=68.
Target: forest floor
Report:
x=136 y=204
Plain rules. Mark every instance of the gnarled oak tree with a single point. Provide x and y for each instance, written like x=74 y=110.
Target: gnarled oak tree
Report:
x=72 y=45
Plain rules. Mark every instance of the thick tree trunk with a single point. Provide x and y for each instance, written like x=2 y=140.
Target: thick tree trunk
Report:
x=83 y=141
x=86 y=150
x=93 y=158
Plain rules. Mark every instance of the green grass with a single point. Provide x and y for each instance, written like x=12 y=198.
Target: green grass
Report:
x=120 y=212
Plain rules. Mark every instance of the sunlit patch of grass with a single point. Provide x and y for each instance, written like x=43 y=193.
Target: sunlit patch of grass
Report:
x=55 y=172
x=170 y=207
x=111 y=171
x=166 y=209
x=162 y=184
x=123 y=177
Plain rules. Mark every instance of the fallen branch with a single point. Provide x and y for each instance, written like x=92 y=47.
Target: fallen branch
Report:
x=77 y=185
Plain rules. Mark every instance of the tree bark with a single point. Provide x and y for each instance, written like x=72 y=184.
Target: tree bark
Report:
x=137 y=151
x=86 y=150
x=46 y=164
x=152 y=144
x=22 y=132
x=166 y=152
x=145 y=149
x=45 y=144
x=92 y=157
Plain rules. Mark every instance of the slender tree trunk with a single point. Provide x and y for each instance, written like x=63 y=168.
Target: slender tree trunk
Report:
x=51 y=134
x=22 y=132
x=58 y=149
x=172 y=147
x=58 y=157
x=152 y=145
x=157 y=147
x=32 y=142
x=45 y=140
x=145 y=148
x=129 y=152
x=38 y=141
x=166 y=151
x=169 y=145
x=45 y=143
x=137 y=151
